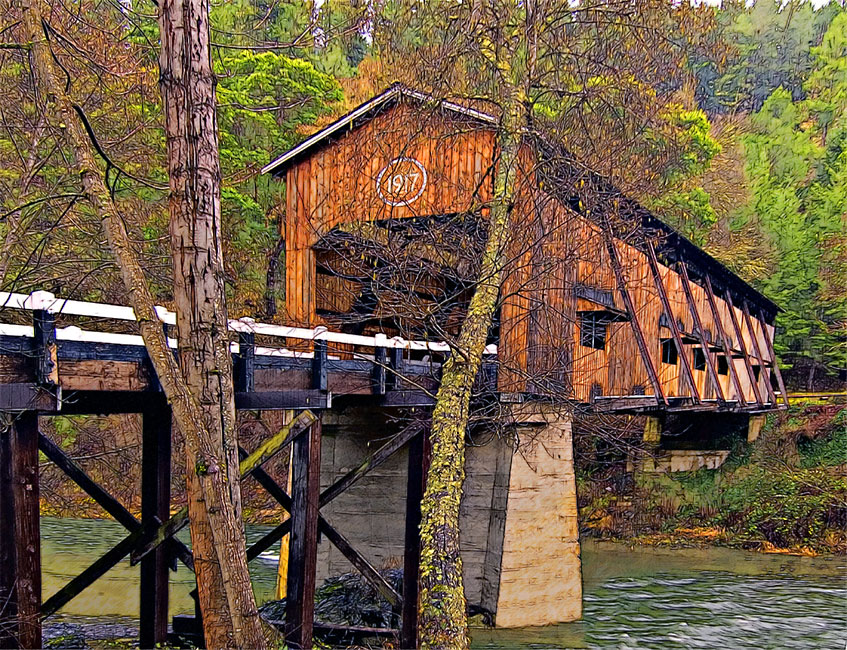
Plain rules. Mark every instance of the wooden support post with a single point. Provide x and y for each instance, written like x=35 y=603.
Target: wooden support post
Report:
x=758 y=352
x=419 y=454
x=319 y=363
x=741 y=346
x=677 y=337
x=633 y=319
x=724 y=341
x=8 y=565
x=245 y=363
x=155 y=506
x=305 y=487
x=26 y=529
x=701 y=334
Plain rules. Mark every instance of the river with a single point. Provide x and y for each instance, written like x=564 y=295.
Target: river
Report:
x=634 y=598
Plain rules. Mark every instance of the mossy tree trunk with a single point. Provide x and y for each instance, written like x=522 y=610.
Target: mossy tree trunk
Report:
x=443 y=613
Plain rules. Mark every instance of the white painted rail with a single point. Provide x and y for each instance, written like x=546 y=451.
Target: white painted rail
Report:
x=44 y=300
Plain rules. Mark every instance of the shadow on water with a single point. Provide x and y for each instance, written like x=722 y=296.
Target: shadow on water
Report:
x=634 y=598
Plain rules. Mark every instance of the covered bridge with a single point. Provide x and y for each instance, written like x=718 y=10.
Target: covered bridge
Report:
x=604 y=309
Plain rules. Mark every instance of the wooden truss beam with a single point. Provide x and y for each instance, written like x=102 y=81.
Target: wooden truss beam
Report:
x=700 y=332
x=270 y=447
x=779 y=382
x=633 y=319
x=98 y=568
x=724 y=340
x=102 y=497
x=677 y=336
x=325 y=528
x=741 y=346
x=763 y=370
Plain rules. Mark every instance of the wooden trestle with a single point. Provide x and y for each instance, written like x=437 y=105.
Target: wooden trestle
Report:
x=42 y=377
x=46 y=372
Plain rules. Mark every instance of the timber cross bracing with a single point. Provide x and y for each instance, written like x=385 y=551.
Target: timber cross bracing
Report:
x=45 y=370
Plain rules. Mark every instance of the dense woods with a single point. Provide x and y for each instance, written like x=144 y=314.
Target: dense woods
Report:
x=739 y=143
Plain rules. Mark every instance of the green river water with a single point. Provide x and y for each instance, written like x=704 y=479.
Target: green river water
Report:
x=634 y=598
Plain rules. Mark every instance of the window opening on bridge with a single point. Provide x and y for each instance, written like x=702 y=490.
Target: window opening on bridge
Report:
x=592 y=330
x=669 y=353
x=757 y=371
x=723 y=365
x=699 y=359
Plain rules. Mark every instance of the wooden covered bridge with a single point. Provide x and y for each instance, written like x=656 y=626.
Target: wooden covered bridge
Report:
x=604 y=309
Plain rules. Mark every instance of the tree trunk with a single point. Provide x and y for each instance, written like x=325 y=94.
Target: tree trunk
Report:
x=242 y=627
x=187 y=84
x=443 y=613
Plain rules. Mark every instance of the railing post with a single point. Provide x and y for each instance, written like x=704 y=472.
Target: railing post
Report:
x=245 y=362
x=380 y=377
x=319 y=362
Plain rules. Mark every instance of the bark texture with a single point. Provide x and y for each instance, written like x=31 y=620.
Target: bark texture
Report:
x=238 y=625
x=187 y=85
x=443 y=613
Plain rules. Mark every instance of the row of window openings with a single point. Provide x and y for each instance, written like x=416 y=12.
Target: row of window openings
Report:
x=671 y=356
x=592 y=334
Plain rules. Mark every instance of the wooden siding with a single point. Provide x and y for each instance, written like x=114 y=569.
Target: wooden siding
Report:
x=338 y=184
x=553 y=250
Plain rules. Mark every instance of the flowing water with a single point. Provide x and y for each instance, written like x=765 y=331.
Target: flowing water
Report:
x=634 y=598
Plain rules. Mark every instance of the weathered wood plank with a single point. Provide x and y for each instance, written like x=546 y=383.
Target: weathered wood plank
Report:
x=27 y=529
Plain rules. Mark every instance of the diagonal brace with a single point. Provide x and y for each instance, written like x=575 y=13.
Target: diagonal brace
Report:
x=265 y=451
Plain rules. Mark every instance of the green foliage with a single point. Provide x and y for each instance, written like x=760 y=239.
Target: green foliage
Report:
x=826 y=451
x=765 y=492
x=797 y=166
x=771 y=47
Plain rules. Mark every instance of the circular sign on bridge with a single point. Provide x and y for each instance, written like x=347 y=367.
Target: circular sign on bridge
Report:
x=401 y=181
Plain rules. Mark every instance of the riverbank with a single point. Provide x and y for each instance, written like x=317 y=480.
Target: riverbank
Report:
x=784 y=493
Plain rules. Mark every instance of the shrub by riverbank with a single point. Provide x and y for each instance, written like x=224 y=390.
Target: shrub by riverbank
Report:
x=786 y=492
